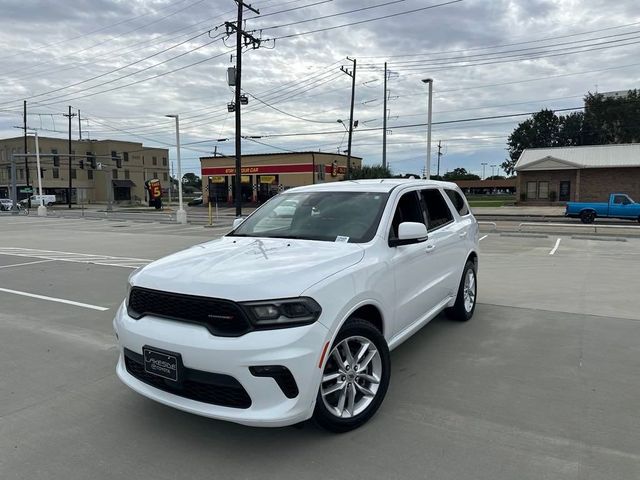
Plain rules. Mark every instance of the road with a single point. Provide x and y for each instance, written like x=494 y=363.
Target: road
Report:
x=541 y=383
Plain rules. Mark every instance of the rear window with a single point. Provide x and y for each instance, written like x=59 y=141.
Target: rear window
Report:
x=458 y=202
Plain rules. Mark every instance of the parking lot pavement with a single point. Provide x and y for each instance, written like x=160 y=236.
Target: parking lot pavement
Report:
x=541 y=383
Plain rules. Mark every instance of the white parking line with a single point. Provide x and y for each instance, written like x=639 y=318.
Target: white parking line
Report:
x=105 y=260
x=53 y=299
x=555 y=248
x=482 y=238
x=23 y=264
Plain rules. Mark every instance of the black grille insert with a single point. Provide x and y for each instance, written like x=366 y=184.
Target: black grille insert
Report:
x=207 y=387
x=222 y=318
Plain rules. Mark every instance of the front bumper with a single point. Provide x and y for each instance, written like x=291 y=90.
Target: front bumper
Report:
x=298 y=349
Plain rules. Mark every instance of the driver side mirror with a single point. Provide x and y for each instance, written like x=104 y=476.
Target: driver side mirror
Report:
x=409 y=233
x=237 y=222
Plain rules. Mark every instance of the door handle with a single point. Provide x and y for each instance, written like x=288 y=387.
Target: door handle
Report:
x=430 y=248
x=462 y=234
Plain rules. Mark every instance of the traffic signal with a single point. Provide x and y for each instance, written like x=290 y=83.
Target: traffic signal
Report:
x=56 y=161
x=93 y=162
x=81 y=164
x=118 y=162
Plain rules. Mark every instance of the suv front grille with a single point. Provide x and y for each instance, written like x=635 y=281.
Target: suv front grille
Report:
x=207 y=387
x=222 y=318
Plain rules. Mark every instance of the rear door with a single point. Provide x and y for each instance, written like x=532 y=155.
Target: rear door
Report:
x=446 y=242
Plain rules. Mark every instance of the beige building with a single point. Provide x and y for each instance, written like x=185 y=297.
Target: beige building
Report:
x=578 y=174
x=89 y=185
x=264 y=175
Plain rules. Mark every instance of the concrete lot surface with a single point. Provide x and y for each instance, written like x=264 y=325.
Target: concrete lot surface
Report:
x=543 y=382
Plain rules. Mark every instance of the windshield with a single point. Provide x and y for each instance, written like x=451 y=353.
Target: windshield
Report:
x=326 y=216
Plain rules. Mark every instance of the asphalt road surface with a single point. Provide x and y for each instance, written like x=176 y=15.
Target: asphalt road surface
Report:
x=542 y=383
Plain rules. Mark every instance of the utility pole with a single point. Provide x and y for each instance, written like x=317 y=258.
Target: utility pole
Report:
x=384 y=121
x=79 y=126
x=170 y=182
x=429 y=81
x=248 y=39
x=69 y=116
x=439 y=155
x=483 y=165
x=352 y=74
x=26 y=159
x=492 y=167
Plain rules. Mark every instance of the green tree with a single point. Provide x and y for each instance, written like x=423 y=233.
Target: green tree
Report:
x=459 y=174
x=541 y=130
x=370 y=171
x=612 y=120
x=192 y=180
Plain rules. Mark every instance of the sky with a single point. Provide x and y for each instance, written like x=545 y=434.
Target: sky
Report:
x=125 y=64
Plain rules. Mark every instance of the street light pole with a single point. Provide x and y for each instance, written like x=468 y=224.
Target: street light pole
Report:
x=483 y=165
x=42 y=210
x=181 y=215
x=427 y=173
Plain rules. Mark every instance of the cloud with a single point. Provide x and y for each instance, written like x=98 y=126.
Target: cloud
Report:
x=48 y=45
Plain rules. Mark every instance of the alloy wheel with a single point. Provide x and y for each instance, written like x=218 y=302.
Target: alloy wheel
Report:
x=351 y=377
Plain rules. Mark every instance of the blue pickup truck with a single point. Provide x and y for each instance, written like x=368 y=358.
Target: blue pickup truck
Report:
x=620 y=206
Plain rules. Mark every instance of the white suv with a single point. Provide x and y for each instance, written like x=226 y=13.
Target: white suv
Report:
x=290 y=317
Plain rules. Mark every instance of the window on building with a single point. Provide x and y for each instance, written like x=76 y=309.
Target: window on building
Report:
x=155 y=174
x=89 y=174
x=154 y=160
x=165 y=177
x=125 y=156
x=114 y=154
x=21 y=174
x=543 y=190
x=458 y=202
x=74 y=174
x=438 y=213
x=164 y=161
x=56 y=172
x=532 y=190
x=56 y=158
x=114 y=174
x=126 y=175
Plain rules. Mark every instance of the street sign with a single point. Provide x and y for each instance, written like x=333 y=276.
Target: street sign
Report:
x=26 y=190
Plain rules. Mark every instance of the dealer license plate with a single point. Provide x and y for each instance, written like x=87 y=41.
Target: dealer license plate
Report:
x=162 y=364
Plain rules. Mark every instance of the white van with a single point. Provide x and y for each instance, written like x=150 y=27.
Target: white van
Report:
x=35 y=200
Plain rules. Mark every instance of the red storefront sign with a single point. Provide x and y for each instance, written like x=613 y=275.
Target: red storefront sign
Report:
x=268 y=169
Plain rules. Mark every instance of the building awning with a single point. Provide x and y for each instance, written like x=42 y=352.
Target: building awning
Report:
x=123 y=183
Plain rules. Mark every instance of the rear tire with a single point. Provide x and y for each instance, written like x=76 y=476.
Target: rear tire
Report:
x=465 y=304
x=587 y=216
x=355 y=377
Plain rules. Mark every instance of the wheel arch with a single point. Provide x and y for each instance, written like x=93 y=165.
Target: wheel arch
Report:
x=370 y=313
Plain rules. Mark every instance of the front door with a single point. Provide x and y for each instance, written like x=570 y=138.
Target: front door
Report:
x=565 y=191
x=412 y=266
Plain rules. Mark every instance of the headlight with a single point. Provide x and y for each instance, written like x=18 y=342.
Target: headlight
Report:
x=289 y=312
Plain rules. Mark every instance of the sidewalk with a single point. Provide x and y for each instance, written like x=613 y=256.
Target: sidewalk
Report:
x=519 y=211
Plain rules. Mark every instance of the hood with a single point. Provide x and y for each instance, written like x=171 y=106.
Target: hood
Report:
x=243 y=269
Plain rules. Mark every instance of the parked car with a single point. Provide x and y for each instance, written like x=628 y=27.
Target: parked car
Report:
x=47 y=200
x=6 y=204
x=279 y=322
x=620 y=206
x=195 y=201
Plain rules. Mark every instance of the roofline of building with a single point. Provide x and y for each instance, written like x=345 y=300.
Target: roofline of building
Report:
x=279 y=153
x=40 y=137
x=582 y=146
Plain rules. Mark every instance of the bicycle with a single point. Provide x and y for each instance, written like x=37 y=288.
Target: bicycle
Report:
x=23 y=209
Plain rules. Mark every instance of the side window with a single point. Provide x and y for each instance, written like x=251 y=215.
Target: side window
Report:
x=438 y=213
x=620 y=200
x=458 y=202
x=408 y=210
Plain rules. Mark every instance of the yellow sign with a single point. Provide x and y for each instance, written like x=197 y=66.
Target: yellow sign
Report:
x=267 y=178
x=217 y=179
x=245 y=178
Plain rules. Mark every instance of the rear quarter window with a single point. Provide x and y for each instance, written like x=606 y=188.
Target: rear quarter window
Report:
x=458 y=202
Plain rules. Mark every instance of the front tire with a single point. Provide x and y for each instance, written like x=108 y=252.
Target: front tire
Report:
x=355 y=377
x=465 y=304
